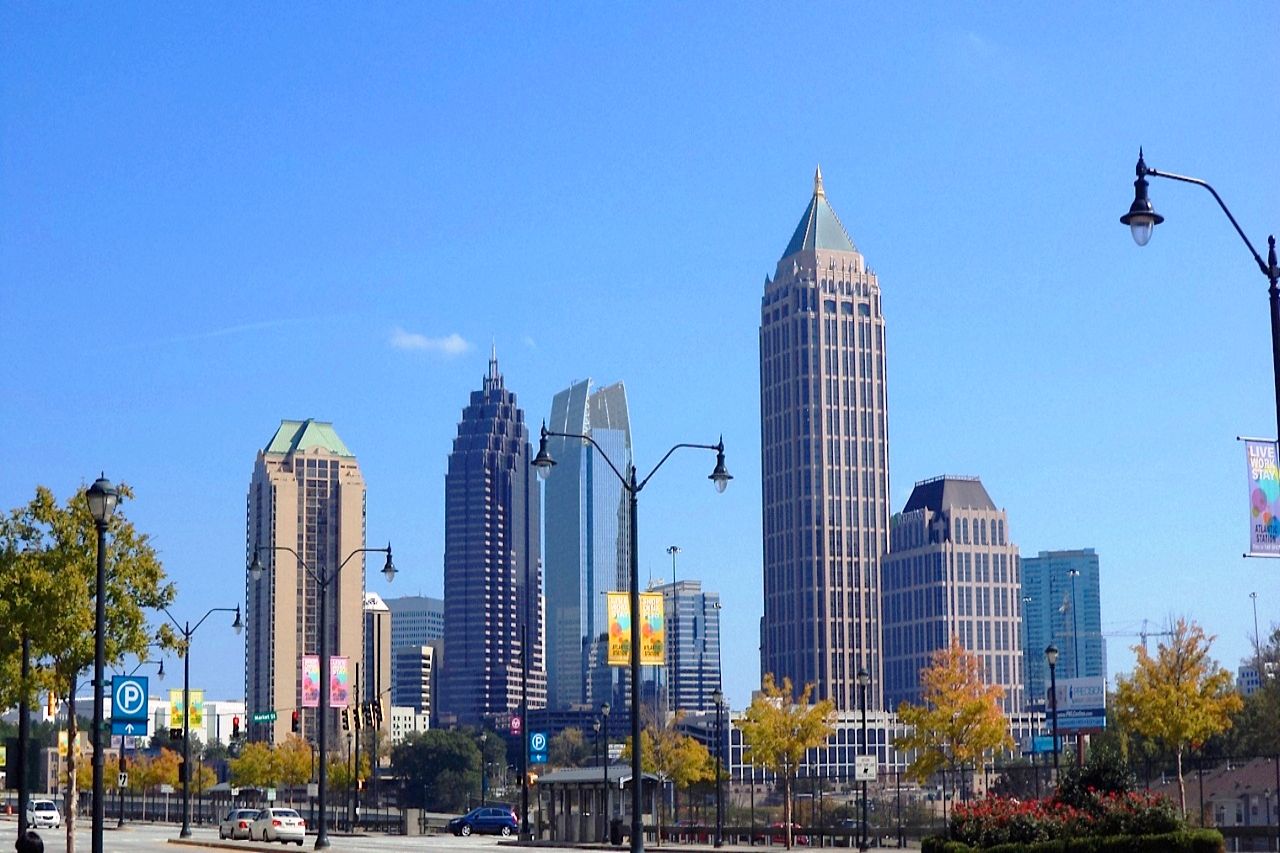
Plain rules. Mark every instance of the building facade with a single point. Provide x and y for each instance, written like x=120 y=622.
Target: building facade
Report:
x=952 y=571
x=1062 y=598
x=416 y=620
x=824 y=461
x=375 y=675
x=492 y=571
x=306 y=494
x=587 y=538
x=413 y=677
x=692 y=671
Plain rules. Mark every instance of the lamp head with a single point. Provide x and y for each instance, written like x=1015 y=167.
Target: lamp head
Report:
x=717 y=698
x=595 y=725
x=1142 y=218
x=237 y=625
x=389 y=569
x=1051 y=655
x=543 y=463
x=864 y=677
x=720 y=476
x=604 y=708
x=160 y=672
x=103 y=498
x=255 y=565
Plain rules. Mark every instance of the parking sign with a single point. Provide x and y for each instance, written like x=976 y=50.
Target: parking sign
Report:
x=537 y=747
x=129 y=699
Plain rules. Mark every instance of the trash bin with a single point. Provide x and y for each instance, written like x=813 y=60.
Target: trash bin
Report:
x=615 y=832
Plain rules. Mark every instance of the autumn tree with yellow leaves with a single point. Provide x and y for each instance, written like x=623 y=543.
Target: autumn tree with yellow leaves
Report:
x=960 y=720
x=778 y=729
x=1180 y=698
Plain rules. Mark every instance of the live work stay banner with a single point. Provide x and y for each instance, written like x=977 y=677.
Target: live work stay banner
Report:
x=1264 y=499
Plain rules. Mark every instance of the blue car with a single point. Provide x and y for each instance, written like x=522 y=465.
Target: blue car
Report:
x=497 y=820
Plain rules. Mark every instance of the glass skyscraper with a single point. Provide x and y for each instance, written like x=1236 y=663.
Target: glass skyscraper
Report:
x=824 y=446
x=692 y=671
x=1062 y=597
x=586 y=539
x=492 y=583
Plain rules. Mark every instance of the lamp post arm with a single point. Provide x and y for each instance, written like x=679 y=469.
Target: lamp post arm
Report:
x=1266 y=270
x=599 y=449
x=664 y=459
x=296 y=556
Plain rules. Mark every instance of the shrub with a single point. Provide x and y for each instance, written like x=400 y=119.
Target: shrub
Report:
x=1194 y=841
x=994 y=821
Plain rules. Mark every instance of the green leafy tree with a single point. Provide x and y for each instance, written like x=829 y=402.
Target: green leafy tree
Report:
x=779 y=729
x=48 y=578
x=1179 y=698
x=569 y=749
x=960 y=720
x=255 y=768
x=440 y=768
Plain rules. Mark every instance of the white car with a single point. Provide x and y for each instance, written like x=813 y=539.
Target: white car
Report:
x=43 y=814
x=278 y=825
x=236 y=824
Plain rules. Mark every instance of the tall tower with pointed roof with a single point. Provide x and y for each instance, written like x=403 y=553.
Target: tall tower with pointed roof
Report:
x=307 y=493
x=825 y=461
x=492 y=573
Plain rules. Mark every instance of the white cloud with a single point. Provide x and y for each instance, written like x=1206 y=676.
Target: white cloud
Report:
x=449 y=345
x=530 y=342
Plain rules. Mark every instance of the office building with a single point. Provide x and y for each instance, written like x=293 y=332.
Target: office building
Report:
x=307 y=494
x=952 y=571
x=692 y=670
x=492 y=582
x=375 y=674
x=824 y=461
x=1062 y=601
x=587 y=539
x=416 y=620
x=413 y=677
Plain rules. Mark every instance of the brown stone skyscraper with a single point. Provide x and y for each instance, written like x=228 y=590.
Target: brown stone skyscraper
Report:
x=825 y=461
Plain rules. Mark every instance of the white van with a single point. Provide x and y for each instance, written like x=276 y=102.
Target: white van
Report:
x=43 y=814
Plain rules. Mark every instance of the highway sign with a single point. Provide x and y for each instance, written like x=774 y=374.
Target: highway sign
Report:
x=263 y=717
x=119 y=728
x=537 y=747
x=864 y=768
x=129 y=699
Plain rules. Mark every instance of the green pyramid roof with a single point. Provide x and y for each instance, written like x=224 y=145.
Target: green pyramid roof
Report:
x=819 y=228
x=293 y=436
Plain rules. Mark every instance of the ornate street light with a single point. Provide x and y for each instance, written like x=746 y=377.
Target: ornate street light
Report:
x=1051 y=657
x=102 y=497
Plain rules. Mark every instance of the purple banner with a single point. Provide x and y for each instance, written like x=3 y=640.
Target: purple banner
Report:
x=1264 y=499
x=310 y=681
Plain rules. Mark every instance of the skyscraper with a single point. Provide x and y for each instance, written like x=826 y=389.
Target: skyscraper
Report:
x=692 y=670
x=824 y=461
x=952 y=571
x=416 y=620
x=1062 y=595
x=376 y=672
x=492 y=582
x=587 y=539
x=307 y=493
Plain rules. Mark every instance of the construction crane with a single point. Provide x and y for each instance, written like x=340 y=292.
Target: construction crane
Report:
x=1143 y=634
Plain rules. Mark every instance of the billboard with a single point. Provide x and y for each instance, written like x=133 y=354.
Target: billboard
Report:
x=310 y=681
x=653 y=632
x=1081 y=703
x=1264 y=498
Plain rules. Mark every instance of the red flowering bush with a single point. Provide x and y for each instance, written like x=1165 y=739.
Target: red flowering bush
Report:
x=997 y=820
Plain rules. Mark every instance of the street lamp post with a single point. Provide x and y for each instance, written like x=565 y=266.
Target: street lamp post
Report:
x=595 y=727
x=604 y=724
x=102 y=497
x=322 y=582
x=187 y=630
x=1074 y=573
x=1142 y=220
x=1051 y=657
x=864 y=678
x=717 y=699
x=633 y=485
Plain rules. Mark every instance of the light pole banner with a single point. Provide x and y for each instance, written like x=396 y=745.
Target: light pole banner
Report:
x=175 y=708
x=195 y=714
x=179 y=720
x=1264 y=499
x=619 y=629
x=339 y=682
x=311 y=681
x=653 y=631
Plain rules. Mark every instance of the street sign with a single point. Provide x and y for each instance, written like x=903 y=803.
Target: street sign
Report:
x=119 y=728
x=515 y=724
x=537 y=747
x=864 y=768
x=122 y=780
x=263 y=717
x=129 y=699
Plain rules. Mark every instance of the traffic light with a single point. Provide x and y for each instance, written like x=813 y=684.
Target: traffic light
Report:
x=297 y=722
x=175 y=734
x=235 y=727
x=346 y=721
x=377 y=712
x=53 y=704
x=182 y=771
x=367 y=708
x=355 y=718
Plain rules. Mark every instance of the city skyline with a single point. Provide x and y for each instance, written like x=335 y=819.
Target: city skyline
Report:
x=334 y=222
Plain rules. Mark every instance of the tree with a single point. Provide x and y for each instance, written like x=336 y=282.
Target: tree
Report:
x=672 y=755
x=440 y=769
x=292 y=762
x=48 y=579
x=960 y=720
x=255 y=768
x=1180 y=698
x=569 y=749
x=778 y=730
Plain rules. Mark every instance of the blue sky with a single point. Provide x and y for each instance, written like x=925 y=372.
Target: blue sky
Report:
x=212 y=218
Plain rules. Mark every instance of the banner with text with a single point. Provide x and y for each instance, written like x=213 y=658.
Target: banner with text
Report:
x=653 y=631
x=1264 y=498
x=311 y=681
x=339 y=682
x=196 y=718
x=619 y=629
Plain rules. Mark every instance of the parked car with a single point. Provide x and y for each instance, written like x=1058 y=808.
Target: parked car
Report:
x=776 y=833
x=236 y=824
x=278 y=825
x=493 y=819
x=43 y=814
